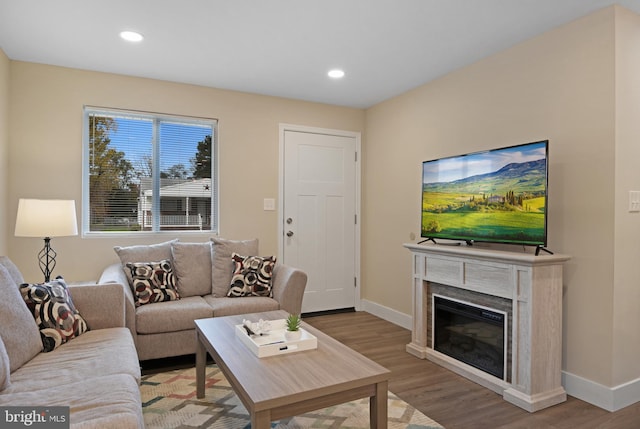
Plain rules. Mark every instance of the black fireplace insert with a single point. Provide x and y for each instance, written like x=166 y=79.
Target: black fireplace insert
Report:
x=471 y=334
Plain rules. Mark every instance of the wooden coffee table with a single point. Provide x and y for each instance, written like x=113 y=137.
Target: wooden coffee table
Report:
x=275 y=387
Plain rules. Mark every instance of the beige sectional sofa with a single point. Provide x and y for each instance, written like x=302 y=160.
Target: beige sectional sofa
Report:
x=96 y=374
x=203 y=274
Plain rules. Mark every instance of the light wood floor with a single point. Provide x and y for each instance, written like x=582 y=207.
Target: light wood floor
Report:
x=451 y=400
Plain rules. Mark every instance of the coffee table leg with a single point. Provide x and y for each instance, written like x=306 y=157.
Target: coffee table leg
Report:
x=378 y=407
x=201 y=365
x=261 y=420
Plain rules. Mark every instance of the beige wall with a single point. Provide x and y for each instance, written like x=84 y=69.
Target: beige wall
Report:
x=626 y=290
x=4 y=149
x=558 y=86
x=46 y=152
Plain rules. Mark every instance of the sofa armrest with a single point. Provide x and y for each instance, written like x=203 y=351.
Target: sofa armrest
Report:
x=101 y=305
x=115 y=274
x=288 y=287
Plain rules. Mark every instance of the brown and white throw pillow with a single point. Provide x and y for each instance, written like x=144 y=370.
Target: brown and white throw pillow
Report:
x=54 y=312
x=251 y=276
x=153 y=282
x=143 y=253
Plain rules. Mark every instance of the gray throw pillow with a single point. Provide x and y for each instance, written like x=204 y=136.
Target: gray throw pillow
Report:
x=223 y=265
x=192 y=267
x=19 y=332
x=14 y=272
x=5 y=371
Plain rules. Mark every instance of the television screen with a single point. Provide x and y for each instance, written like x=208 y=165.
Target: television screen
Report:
x=498 y=195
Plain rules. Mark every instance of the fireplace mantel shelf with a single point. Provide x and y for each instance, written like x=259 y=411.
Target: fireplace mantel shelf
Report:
x=485 y=254
x=532 y=283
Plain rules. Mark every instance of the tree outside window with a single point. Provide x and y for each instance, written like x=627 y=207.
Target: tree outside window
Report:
x=149 y=173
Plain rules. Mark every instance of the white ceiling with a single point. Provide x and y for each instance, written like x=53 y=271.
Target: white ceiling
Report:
x=281 y=47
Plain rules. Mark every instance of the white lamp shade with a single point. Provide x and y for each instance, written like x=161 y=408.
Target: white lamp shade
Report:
x=46 y=218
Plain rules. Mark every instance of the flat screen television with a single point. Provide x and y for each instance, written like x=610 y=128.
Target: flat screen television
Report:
x=498 y=196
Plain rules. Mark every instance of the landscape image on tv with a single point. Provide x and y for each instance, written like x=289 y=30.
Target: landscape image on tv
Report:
x=495 y=196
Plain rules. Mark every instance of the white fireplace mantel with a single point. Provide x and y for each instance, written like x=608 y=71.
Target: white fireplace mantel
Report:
x=534 y=286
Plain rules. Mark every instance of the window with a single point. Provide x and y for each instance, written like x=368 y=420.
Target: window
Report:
x=148 y=172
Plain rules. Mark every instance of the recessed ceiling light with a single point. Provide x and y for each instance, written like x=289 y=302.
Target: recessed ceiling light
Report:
x=131 y=36
x=336 y=74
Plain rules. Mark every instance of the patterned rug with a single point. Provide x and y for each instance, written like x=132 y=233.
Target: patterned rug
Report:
x=169 y=401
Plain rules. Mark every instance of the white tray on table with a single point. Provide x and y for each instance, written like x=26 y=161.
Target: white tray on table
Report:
x=274 y=342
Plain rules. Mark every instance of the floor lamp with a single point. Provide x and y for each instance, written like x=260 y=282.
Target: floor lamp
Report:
x=46 y=219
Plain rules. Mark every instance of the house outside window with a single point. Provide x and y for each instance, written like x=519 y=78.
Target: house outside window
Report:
x=146 y=172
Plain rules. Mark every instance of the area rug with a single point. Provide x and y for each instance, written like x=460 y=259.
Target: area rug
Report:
x=169 y=402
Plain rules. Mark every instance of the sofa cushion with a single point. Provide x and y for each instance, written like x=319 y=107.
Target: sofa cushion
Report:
x=143 y=253
x=5 y=371
x=109 y=401
x=192 y=265
x=19 y=331
x=103 y=351
x=222 y=264
x=153 y=282
x=232 y=306
x=171 y=316
x=54 y=312
x=14 y=272
x=251 y=276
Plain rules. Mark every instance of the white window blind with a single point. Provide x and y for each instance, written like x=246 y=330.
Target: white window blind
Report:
x=147 y=172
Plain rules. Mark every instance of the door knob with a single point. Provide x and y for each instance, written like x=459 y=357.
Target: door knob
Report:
x=289 y=233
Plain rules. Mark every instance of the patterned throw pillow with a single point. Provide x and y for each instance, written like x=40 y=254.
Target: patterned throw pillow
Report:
x=153 y=282
x=56 y=316
x=251 y=276
x=143 y=253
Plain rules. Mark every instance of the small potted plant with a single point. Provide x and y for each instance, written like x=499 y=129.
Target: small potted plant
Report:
x=293 y=327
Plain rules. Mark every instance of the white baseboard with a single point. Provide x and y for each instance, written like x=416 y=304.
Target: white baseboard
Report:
x=388 y=314
x=608 y=398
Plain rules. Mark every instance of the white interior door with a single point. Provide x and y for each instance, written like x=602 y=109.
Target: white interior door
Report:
x=319 y=215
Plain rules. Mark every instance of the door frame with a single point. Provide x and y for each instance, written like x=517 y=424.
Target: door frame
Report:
x=281 y=176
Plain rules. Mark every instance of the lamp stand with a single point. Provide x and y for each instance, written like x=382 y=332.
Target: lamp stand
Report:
x=47 y=258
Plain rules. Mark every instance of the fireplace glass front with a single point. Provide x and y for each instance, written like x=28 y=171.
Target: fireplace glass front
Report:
x=471 y=334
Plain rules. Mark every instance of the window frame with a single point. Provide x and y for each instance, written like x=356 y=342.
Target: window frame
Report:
x=215 y=186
